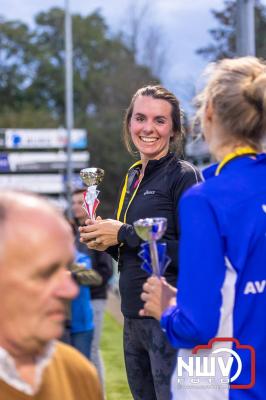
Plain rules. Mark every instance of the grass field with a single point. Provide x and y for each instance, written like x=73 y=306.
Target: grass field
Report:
x=112 y=351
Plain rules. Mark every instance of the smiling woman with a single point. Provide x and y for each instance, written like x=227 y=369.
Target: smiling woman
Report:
x=151 y=127
x=152 y=188
x=153 y=116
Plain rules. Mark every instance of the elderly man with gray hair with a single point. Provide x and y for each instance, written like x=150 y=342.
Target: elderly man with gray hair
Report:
x=37 y=247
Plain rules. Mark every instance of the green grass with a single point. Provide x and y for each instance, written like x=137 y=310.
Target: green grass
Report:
x=112 y=352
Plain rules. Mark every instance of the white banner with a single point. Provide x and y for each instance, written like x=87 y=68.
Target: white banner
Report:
x=42 y=161
x=39 y=183
x=44 y=138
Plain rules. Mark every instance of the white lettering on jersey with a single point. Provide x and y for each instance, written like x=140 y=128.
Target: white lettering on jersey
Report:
x=255 y=287
x=149 y=192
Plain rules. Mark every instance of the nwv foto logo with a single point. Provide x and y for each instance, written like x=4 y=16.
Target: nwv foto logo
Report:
x=207 y=366
x=218 y=366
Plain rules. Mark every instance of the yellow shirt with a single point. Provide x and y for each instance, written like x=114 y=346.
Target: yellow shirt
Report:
x=68 y=376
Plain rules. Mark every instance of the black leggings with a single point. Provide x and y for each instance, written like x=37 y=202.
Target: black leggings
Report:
x=149 y=358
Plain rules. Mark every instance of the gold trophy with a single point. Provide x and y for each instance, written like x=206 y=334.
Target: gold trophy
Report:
x=91 y=178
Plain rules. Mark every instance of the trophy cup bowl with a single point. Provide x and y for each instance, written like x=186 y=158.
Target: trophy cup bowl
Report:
x=150 y=229
x=92 y=176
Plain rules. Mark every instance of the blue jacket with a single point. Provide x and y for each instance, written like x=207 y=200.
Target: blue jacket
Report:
x=81 y=308
x=222 y=279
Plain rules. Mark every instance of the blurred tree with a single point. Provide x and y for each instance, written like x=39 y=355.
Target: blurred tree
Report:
x=224 y=36
x=26 y=117
x=144 y=37
x=106 y=75
x=15 y=63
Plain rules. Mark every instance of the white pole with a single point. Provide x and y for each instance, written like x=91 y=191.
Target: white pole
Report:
x=245 y=28
x=68 y=99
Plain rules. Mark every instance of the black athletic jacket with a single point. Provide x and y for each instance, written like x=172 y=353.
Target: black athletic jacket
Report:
x=157 y=195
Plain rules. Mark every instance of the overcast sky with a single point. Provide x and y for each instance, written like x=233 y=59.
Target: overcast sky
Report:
x=184 y=25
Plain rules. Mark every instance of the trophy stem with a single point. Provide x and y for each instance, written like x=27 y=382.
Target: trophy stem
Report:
x=154 y=258
x=91 y=177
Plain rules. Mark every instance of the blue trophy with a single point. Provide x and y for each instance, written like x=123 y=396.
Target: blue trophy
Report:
x=153 y=254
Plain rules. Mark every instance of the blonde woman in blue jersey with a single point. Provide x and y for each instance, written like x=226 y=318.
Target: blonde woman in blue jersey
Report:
x=222 y=255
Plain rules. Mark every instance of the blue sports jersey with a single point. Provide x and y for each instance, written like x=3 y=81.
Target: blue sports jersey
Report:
x=222 y=278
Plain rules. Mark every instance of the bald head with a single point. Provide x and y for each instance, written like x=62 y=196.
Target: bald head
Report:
x=37 y=249
x=14 y=203
x=21 y=212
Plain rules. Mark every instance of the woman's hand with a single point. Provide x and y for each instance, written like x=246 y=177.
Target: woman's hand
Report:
x=100 y=234
x=157 y=296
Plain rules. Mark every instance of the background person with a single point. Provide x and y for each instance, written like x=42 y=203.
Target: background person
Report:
x=36 y=250
x=152 y=188
x=81 y=323
x=221 y=286
x=102 y=264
